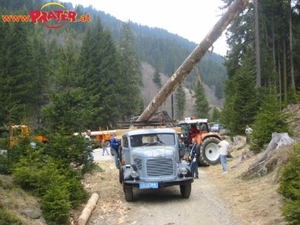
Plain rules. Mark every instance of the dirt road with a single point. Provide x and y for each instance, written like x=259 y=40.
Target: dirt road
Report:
x=155 y=207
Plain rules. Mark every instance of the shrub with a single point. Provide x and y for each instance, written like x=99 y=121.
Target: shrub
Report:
x=8 y=218
x=56 y=205
x=270 y=118
x=290 y=188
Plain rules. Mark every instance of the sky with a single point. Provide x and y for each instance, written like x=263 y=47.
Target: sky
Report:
x=190 y=19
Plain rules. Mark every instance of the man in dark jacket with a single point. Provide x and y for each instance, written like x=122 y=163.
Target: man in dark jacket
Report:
x=114 y=144
x=193 y=159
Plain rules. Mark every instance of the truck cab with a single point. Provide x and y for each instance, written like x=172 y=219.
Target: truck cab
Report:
x=150 y=159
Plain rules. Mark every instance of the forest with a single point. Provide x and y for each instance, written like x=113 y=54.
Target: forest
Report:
x=86 y=74
x=61 y=81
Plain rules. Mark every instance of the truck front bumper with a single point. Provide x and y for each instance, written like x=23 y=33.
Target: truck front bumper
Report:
x=160 y=184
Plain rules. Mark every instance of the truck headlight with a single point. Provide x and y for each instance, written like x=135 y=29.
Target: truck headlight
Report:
x=134 y=174
x=183 y=170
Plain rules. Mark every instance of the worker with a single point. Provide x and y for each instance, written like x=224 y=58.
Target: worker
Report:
x=193 y=132
x=114 y=143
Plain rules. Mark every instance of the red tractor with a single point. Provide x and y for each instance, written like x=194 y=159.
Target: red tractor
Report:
x=207 y=141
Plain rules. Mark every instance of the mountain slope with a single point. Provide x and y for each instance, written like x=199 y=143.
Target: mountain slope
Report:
x=150 y=89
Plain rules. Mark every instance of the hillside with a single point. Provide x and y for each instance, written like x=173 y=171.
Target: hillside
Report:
x=150 y=89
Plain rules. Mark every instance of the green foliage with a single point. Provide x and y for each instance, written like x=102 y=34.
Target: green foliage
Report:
x=270 y=118
x=98 y=69
x=216 y=114
x=53 y=172
x=201 y=107
x=130 y=77
x=242 y=98
x=180 y=102
x=290 y=188
x=156 y=78
x=56 y=205
x=68 y=149
x=8 y=218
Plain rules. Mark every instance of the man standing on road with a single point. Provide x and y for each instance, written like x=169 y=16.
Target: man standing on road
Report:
x=104 y=147
x=114 y=144
x=193 y=159
x=223 y=151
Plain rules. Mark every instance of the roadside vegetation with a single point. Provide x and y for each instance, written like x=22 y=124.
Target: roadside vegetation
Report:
x=86 y=78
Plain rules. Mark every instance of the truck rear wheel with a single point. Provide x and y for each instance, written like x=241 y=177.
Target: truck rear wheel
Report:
x=128 y=194
x=185 y=190
x=209 y=154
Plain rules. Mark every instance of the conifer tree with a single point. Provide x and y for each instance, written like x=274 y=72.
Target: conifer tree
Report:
x=180 y=102
x=270 y=118
x=41 y=71
x=216 y=114
x=130 y=77
x=241 y=97
x=99 y=71
x=16 y=76
x=68 y=108
x=201 y=107
x=156 y=78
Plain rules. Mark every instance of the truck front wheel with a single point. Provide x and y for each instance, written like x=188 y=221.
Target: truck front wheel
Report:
x=209 y=154
x=185 y=190
x=128 y=194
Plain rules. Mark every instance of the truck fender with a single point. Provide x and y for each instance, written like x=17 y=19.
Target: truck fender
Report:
x=127 y=169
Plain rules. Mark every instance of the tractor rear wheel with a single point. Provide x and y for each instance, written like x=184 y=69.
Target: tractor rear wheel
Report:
x=209 y=154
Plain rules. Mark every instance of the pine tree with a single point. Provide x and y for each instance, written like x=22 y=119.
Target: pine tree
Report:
x=156 y=78
x=40 y=60
x=17 y=90
x=270 y=118
x=130 y=78
x=216 y=114
x=201 y=107
x=69 y=108
x=241 y=97
x=99 y=71
x=180 y=102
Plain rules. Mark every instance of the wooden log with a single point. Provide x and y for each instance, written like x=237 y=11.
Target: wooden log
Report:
x=87 y=211
x=187 y=66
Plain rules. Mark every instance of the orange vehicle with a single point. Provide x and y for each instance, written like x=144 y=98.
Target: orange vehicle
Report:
x=207 y=141
x=21 y=131
x=98 y=136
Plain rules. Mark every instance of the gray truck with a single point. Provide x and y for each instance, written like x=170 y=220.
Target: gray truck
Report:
x=150 y=158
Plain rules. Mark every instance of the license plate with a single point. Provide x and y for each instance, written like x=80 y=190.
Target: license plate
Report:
x=148 y=185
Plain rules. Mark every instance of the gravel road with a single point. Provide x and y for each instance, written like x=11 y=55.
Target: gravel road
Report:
x=155 y=207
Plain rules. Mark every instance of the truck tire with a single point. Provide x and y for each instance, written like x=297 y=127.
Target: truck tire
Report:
x=185 y=190
x=128 y=194
x=121 y=175
x=208 y=152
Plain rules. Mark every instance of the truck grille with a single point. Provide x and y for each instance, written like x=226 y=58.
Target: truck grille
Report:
x=160 y=167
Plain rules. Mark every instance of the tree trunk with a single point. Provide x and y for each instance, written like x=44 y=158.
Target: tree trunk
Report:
x=87 y=211
x=257 y=48
x=291 y=50
x=284 y=72
x=187 y=66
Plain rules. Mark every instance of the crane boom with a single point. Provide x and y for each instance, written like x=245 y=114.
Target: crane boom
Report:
x=187 y=66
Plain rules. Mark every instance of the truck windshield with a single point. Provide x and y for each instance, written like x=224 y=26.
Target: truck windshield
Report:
x=152 y=139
